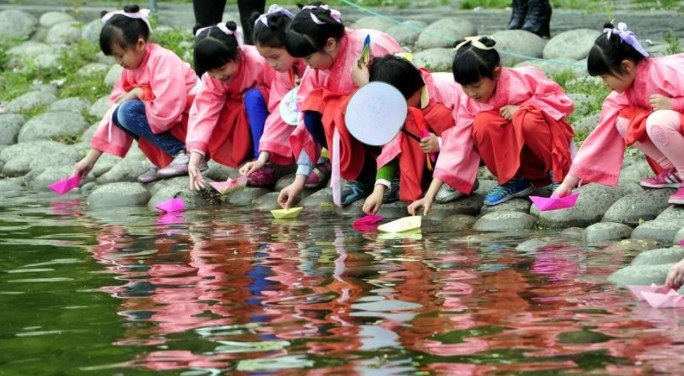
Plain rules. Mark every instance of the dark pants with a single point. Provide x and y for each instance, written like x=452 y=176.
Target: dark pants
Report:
x=210 y=12
x=130 y=117
x=257 y=112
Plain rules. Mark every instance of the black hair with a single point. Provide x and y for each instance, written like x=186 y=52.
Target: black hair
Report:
x=471 y=64
x=272 y=35
x=397 y=72
x=214 y=48
x=607 y=55
x=122 y=30
x=304 y=37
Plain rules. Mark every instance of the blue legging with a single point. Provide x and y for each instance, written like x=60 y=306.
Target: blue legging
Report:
x=131 y=118
x=257 y=112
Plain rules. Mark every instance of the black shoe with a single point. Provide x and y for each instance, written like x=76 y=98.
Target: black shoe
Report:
x=538 y=18
x=518 y=15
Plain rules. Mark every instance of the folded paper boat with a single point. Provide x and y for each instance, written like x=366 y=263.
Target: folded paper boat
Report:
x=402 y=224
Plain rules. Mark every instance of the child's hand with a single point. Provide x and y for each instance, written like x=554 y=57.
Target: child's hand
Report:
x=660 y=102
x=675 y=277
x=374 y=201
x=563 y=190
x=250 y=167
x=83 y=167
x=360 y=73
x=196 y=179
x=424 y=202
x=288 y=194
x=508 y=111
x=129 y=96
x=430 y=144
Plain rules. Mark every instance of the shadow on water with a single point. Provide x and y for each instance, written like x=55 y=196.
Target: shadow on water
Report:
x=232 y=291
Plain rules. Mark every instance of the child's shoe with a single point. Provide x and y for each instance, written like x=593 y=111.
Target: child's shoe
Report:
x=179 y=166
x=263 y=177
x=503 y=193
x=668 y=178
x=677 y=198
x=319 y=175
x=149 y=176
x=355 y=190
x=447 y=193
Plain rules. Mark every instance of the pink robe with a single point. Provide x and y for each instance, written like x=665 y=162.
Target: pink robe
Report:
x=459 y=159
x=338 y=79
x=276 y=137
x=166 y=81
x=600 y=158
x=253 y=72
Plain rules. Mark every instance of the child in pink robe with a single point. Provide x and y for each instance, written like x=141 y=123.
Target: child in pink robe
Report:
x=274 y=146
x=150 y=101
x=511 y=119
x=645 y=109
x=318 y=35
x=229 y=113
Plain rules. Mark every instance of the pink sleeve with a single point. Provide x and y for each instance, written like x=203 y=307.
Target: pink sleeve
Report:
x=670 y=81
x=547 y=95
x=599 y=160
x=204 y=114
x=109 y=138
x=167 y=80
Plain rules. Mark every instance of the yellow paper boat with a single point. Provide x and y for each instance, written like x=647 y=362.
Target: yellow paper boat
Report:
x=286 y=213
x=402 y=224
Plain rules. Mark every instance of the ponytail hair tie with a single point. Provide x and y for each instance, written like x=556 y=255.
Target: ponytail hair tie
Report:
x=627 y=37
x=475 y=41
x=273 y=9
x=221 y=26
x=334 y=14
x=142 y=14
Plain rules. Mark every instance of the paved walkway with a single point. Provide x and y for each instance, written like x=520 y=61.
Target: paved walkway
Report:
x=648 y=24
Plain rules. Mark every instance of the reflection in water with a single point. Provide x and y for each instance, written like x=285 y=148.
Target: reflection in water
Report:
x=233 y=291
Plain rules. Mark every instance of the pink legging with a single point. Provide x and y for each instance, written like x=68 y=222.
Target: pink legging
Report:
x=665 y=144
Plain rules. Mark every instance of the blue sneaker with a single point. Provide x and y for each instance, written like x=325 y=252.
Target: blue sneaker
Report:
x=355 y=190
x=554 y=185
x=502 y=193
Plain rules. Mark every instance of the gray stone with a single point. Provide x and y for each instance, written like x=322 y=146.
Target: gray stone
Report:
x=320 y=199
x=284 y=182
x=660 y=256
x=48 y=88
x=519 y=42
x=52 y=125
x=91 y=31
x=374 y=23
x=177 y=188
x=19 y=159
x=593 y=202
x=395 y=209
x=586 y=125
x=630 y=247
x=581 y=100
x=48 y=60
x=87 y=136
x=505 y=221
x=458 y=222
x=133 y=165
x=10 y=124
x=486 y=185
x=534 y=244
x=104 y=164
x=219 y=172
x=30 y=100
x=577 y=68
x=573 y=233
x=93 y=68
x=100 y=107
x=11 y=185
x=672 y=214
x=119 y=194
x=469 y=205
x=246 y=196
x=87 y=188
x=521 y=205
x=64 y=33
x=17 y=24
x=606 y=231
x=635 y=208
x=25 y=51
x=73 y=104
x=406 y=36
x=660 y=231
x=47 y=176
x=435 y=59
x=640 y=275
x=50 y=19
x=113 y=75
x=444 y=32
x=571 y=45
x=635 y=173
x=267 y=202
x=679 y=236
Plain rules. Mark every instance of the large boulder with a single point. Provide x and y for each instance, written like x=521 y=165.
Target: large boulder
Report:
x=177 y=188
x=119 y=194
x=246 y=196
x=50 y=19
x=407 y=34
x=577 y=68
x=606 y=231
x=64 y=33
x=435 y=59
x=593 y=202
x=638 y=207
x=660 y=231
x=133 y=165
x=48 y=60
x=38 y=180
x=25 y=51
x=113 y=75
x=469 y=205
x=10 y=124
x=519 y=42
x=640 y=275
x=74 y=104
x=92 y=69
x=457 y=222
x=31 y=100
x=659 y=256
x=571 y=45
x=505 y=221
x=374 y=23
x=100 y=107
x=521 y=205
x=51 y=125
x=91 y=31
x=17 y=24
x=19 y=159
x=443 y=33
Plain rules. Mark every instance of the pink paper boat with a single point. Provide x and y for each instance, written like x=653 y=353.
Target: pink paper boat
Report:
x=653 y=288
x=670 y=300
x=367 y=221
x=229 y=184
x=554 y=203
x=64 y=186
x=681 y=242
x=171 y=205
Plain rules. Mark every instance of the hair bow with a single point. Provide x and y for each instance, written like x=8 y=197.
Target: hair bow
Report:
x=627 y=37
x=142 y=14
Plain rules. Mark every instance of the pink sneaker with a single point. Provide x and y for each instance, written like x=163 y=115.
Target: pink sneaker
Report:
x=319 y=174
x=668 y=178
x=677 y=198
x=263 y=177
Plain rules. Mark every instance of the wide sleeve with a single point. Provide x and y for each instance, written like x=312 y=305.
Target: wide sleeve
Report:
x=547 y=95
x=599 y=160
x=204 y=114
x=109 y=138
x=670 y=81
x=167 y=81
